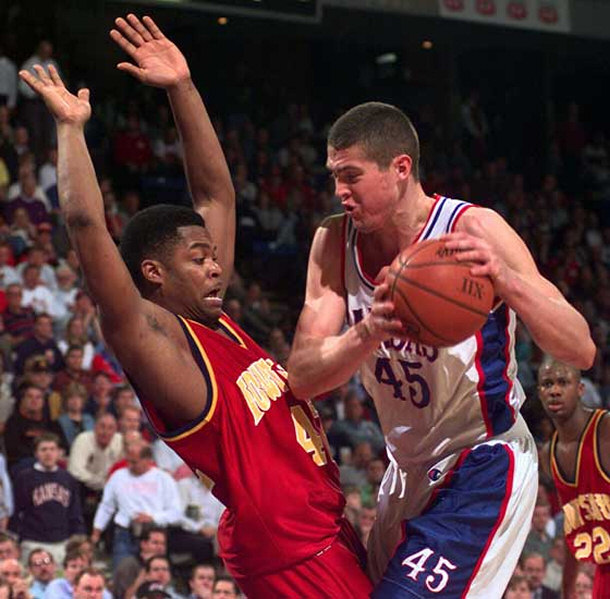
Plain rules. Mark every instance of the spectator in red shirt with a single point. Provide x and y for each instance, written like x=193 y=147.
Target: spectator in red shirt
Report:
x=132 y=148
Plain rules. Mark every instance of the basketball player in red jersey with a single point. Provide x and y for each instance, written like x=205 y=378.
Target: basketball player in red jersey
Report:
x=215 y=397
x=578 y=458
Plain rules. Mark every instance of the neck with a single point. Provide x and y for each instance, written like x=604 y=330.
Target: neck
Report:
x=74 y=414
x=571 y=429
x=404 y=225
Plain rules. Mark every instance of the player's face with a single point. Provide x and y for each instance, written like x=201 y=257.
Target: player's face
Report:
x=559 y=390
x=368 y=194
x=192 y=285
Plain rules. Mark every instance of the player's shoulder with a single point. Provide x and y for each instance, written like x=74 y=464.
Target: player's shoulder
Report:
x=603 y=427
x=479 y=215
x=329 y=232
x=333 y=222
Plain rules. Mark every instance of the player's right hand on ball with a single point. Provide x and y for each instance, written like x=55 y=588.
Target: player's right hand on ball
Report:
x=381 y=323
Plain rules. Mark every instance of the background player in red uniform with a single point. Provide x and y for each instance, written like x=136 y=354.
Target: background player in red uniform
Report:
x=214 y=395
x=578 y=458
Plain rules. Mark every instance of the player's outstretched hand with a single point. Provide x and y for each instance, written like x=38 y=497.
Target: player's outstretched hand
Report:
x=64 y=106
x=158 y=61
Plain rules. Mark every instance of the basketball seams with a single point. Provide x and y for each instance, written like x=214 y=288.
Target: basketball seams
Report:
x=441 y=296
x=417 y=317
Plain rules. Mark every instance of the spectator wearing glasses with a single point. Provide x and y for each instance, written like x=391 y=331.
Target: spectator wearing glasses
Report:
x=42 y=569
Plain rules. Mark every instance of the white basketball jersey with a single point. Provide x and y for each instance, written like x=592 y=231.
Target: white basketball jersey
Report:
x=434 y=402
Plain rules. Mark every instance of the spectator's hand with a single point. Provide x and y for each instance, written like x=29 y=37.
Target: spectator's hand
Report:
x=140 y=517
x=95 y=536
x=158 y=61
x=3 y=521
x=65 y=107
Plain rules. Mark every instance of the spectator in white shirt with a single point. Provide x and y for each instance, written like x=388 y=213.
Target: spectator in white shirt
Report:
x=38 y=257
x=8 y=274
x=36 y=295
x=91 y=456
x=134 y=497
x=94 y=452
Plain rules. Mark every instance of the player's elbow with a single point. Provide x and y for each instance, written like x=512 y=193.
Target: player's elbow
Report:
x=296 y=381
x=298 y=389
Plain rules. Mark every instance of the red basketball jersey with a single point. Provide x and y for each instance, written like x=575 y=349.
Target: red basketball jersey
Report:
x=265 y=452
x=586 y=500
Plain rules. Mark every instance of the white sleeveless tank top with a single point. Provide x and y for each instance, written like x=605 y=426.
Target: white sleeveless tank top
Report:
x=433 y=402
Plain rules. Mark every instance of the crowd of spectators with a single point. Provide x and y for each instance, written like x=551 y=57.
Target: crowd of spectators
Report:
x=83 y=480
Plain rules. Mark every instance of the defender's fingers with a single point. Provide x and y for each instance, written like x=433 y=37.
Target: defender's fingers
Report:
x=42 y=74
x=137 y=25
x=123 y=42
x=31 y=80
x=55 y=76
x=131 y=69
x=152 y=27
x=129 y=32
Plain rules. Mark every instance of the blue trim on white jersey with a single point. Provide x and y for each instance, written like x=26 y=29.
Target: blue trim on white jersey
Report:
x=453 y=215
x=496 y=387
x=430 y=227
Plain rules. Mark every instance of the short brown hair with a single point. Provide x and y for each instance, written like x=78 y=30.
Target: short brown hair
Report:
x=90 y=572
x=382 y=130
x=46 y=438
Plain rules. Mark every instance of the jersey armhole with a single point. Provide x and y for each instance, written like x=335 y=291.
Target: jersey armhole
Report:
x=597 y=448
x=211 y=391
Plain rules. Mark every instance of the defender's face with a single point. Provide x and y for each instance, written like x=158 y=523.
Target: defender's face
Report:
x=560 y=391
x=192 y=285
x=368 y=194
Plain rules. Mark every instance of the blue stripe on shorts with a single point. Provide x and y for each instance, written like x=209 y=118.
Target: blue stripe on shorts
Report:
x=443 y=547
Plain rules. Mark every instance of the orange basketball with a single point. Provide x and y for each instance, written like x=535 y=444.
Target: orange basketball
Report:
x=436 y=297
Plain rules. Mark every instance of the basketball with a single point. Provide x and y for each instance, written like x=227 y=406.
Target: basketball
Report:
x=436 y=297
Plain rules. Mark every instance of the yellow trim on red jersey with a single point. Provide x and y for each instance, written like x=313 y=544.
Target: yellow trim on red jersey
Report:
x=212 y=378
x=598 y=463
x=233 y=332
x=555 y=466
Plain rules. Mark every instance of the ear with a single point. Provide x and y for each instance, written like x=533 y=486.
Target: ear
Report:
x=402 y=165
x=153 y=271
x=581 y=390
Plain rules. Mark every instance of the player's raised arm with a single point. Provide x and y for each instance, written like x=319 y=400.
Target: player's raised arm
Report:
x=80 y=197
x=556 y=327
x=159 y=63
x=321 y=357
x=146 y=337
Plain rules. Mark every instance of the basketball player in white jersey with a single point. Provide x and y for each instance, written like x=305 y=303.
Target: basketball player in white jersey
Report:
x=456 y=501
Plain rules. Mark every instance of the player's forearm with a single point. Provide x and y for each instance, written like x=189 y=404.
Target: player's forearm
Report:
x=556 y=327
x=320 y=365
x=205 y=165
x=80 y=198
